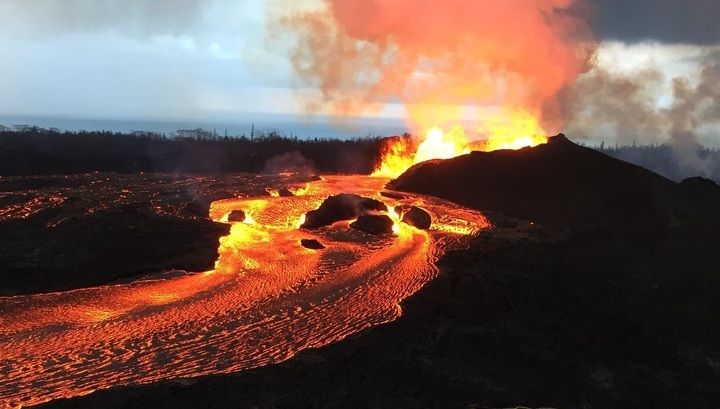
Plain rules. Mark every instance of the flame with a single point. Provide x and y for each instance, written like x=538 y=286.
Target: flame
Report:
x=512 y=129
x=441 y=145
x=507 y=129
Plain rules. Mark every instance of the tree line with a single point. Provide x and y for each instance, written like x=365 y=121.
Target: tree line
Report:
x=670 y=161
x=28 y=150
x=32 y=150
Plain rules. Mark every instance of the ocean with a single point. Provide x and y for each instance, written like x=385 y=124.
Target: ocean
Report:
x=304 y=127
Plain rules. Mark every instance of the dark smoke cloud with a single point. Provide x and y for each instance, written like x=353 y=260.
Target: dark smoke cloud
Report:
x=668 y=21
x=137 y=18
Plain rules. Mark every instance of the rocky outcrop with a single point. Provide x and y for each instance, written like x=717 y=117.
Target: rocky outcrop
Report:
x=392 y=195
x=236 y=216
x=341 y=207
x=285 y=192
x=379 y=224
x=416 y=217
x=311 y=244
x=559 y=182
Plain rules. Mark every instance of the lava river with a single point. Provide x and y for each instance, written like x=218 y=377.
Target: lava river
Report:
x=267 y=299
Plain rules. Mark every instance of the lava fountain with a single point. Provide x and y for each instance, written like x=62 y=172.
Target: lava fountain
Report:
x=506 y=130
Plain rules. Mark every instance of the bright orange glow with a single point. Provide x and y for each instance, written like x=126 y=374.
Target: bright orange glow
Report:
x=442 y=145
x=393 y=214
x=248 y=219
x=395 y=218
x=267 y=298
x=301 y=221
x=508 y=129
x=511 y=129
x=299 y=191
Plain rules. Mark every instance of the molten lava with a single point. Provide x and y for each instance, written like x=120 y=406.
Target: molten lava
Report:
x=267 y=298
x=508 y=129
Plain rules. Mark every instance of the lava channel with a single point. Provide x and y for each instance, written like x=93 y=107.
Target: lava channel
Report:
x=268 y=298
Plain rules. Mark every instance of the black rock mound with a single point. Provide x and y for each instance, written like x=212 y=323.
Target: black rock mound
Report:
x=417 y=217
x=311 y=244
x=379 y=224
x=236 y=216
x=392 y=195
x=285 y=192
x=341 y=207
x=559 y=182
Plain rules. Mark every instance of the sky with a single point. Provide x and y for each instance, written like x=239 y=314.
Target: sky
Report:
x=214 y=59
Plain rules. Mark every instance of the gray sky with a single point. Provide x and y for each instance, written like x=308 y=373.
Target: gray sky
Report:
x=138 y=58
x=205 y=59
x=669 y=21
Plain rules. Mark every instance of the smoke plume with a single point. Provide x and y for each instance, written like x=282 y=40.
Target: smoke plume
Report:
x=626 y=105
x=437 y=56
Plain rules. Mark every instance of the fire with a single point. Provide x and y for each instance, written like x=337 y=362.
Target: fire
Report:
x=512 y=129
x=506 y=129
x=441 y=145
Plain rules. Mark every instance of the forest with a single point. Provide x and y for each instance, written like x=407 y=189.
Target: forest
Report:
x=31 y=150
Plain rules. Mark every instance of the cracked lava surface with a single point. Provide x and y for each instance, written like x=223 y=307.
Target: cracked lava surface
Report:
x=267 y=298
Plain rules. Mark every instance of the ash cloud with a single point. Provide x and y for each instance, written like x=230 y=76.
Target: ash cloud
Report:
x=135 y=18
x=435 y=56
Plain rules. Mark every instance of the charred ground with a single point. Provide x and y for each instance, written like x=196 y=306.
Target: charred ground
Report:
x=65 y=232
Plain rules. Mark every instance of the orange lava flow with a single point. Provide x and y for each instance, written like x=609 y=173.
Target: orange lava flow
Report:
x=509 y=129
x=267 y=299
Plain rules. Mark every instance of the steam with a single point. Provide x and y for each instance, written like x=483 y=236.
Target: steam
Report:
x=436 y=57
x=293 y=162
x=137 y=18
x=627 y=106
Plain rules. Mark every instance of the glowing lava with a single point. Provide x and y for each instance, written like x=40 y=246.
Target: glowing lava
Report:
x=267 y=298
x=508 y=129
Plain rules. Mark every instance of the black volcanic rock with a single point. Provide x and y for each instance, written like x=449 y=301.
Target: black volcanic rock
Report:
x=285 y=192
x=392 y=195
x=417 y=217
x=93 y=249
x=341 y=207
x=377 y=224
x=311 y=244
x=236 y=216
x=559 y=182
x=701 y=187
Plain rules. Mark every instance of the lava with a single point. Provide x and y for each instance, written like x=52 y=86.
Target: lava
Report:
x=267 y=298
x=507 y=129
